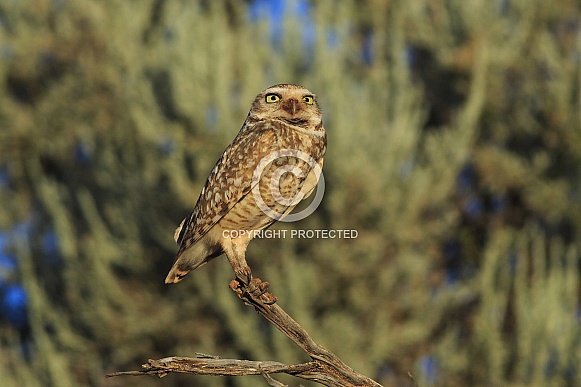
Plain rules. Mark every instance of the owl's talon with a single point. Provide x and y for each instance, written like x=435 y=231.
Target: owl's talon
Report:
x=258 y=287
x=271 y=299
x=244 y=275
x=263 y=287
x=255 y=289
x=235 y=286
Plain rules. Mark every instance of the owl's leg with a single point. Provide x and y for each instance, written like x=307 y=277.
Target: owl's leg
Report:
x=236 y=254
x=235 y=250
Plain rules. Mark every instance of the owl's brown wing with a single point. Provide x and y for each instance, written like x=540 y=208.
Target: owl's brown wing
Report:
x=229 y=182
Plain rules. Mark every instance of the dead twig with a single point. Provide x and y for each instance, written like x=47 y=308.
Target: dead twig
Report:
x=205 y=365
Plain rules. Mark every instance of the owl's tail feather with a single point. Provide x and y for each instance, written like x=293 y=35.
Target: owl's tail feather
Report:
x=190 y=259
x=178 y=272
x=175 y=275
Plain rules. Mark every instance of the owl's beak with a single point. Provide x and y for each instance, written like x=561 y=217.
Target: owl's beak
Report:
x=291 y=106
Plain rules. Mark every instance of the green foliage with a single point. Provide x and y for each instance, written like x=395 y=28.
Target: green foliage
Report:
x=112 y=114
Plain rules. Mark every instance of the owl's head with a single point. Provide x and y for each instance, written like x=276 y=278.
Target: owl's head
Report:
x=290 y=103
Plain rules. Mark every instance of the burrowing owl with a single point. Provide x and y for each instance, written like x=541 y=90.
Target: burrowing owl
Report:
x=283 y=117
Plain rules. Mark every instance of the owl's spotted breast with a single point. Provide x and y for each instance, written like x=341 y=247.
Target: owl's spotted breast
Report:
x=230 y=181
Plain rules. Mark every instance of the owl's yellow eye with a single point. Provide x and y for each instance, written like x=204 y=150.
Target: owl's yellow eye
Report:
x=271 y=98
x=308 y=99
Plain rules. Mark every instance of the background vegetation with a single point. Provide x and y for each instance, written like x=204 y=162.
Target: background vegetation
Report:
x=454 y=150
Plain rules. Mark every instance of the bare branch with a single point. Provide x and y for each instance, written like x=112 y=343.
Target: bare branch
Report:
x=204 y=365
x=325 y=368
x=334 y=372
x=272 y=382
